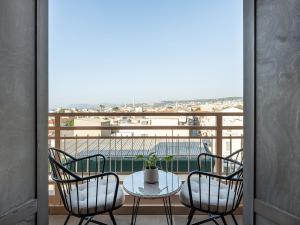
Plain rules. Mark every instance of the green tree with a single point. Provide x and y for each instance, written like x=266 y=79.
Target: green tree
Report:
x=115 y=109
x=70 y=123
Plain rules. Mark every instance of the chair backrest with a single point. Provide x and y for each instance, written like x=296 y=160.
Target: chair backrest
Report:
x=237 y=156
x=214 y=193
x=62 y=165
x=83 y=194
x=61 y=170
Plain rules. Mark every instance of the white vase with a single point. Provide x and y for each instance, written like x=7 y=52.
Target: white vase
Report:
x=151 y=175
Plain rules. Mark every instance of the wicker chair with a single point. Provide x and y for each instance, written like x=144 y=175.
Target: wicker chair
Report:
x=217 y=195
x=88 y=193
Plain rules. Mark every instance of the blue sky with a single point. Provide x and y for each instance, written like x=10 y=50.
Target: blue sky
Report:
x=111 y=51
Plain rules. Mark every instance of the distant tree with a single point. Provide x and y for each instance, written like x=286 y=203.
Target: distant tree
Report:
x=198 y=109
x=239 y=106
x=70 y=123
x=115 y=109
x=101 y=107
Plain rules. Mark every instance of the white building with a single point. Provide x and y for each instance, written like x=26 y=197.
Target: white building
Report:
x=232 y=144
x=156 y=121
x=91 y=122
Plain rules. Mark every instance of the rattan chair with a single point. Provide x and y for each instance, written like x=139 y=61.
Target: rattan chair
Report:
x=212 y=193
x=88 y=193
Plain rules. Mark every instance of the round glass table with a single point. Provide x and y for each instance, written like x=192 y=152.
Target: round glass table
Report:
x=168 y=185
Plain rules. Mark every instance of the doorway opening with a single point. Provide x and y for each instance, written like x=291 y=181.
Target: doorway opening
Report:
x=129 y=78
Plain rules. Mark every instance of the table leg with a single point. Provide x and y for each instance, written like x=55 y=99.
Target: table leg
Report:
x=135 y=208
x=168 y=210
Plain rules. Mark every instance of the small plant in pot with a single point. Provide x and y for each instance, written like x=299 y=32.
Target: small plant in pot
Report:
x=151 y=170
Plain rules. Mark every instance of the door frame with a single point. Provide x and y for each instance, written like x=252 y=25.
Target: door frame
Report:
x=249 y=25
x=252 y=205
x=42 y=111
x=249 y=110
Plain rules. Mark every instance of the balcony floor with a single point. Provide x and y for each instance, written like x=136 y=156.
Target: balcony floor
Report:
x=141 y=219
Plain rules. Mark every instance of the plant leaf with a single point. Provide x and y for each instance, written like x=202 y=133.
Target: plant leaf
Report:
x=140 y=157
x=169 y=158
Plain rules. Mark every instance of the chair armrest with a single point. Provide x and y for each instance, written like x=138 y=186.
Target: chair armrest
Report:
x=102 y=176
x=207 y=155
x=208 y=174
x=106 y=174
x=90 y=156
x=211 y=155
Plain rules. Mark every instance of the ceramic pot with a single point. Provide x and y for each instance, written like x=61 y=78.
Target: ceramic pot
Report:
x=151 y=175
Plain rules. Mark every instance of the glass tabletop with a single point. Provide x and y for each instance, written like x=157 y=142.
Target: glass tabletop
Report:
x=168 y=184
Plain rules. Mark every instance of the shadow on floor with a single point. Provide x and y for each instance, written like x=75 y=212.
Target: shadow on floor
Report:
x=141 y=220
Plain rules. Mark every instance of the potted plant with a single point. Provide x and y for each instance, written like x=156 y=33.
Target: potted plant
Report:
x=151 y=170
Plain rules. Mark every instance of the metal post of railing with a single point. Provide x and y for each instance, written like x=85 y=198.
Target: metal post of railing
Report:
x=57 y=131
x=98 y=143
x=200 y=141
x=76 y=145
x=177 y=153
x=64 y=140
x=87 y=153
x=116 y=152
x=132 y=153
x=166 y=152
x=212 y=141
x=155 y=144
x=121 y=154
x=219 y=121
x=189 y=155
x=143 y=150
x=76 y=148
x=143 y=146
x=242 y=141
x=109 y=153
x=230 y=143
x=98 y=147
x=172 y=150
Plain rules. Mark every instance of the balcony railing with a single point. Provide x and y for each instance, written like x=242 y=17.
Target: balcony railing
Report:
x=120 y=136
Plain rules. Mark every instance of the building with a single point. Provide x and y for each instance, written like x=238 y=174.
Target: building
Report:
x=92 y=122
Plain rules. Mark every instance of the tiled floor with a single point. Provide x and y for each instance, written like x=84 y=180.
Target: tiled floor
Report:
x=141 y=220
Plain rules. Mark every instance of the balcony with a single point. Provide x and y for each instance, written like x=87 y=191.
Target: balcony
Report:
x=121 y=135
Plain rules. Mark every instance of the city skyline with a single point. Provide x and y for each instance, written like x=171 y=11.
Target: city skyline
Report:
x=102 y=52
x=134 y=103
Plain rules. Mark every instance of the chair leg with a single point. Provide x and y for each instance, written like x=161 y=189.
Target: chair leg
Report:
x=215 y=222
x=88 y=220
x=223 y=219
x=96 y=222
x=112 y=218
x=208 y=220
x=213 y=218
x=233 y=217
x=81 y=221
x=190 y=217
x=67 y=219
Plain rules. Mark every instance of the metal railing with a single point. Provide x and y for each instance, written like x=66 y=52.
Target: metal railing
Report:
x=166 y=133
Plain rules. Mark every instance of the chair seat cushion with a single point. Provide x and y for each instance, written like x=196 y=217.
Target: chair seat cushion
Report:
x=208 y=200
x=84 y=200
